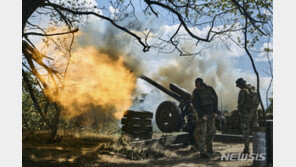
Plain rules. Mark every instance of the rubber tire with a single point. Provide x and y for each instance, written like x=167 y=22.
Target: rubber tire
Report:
x=139 y=122
x=138 y=114
x=138 y=129
x=168 y=117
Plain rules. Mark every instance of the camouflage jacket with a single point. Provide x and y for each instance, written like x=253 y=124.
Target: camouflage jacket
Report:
x=204 y=97
x=247 y=98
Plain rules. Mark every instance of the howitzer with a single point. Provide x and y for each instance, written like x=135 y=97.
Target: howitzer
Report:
x=171 y=117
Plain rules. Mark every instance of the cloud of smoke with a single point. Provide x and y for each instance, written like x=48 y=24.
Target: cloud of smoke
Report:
x=216 y=64
x=111 y=41
x=216 y=71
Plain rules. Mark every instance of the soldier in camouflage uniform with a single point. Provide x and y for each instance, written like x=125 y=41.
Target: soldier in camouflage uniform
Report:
x=248 y=102
x=205 y=102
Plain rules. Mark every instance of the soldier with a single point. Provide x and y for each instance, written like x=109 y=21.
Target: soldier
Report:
x=205 y=102
x=248 y=102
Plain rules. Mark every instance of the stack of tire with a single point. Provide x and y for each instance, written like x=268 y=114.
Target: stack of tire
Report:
x=137 y=124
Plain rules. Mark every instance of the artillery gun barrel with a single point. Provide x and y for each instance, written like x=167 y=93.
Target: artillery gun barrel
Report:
x=162 y=88
x=180 y=91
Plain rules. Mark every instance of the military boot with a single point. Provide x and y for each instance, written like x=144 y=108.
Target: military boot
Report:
x=246 y=148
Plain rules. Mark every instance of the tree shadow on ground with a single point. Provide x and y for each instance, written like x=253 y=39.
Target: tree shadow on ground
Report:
x=83 y=152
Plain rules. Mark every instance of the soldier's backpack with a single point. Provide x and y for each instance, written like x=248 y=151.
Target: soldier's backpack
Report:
x=252 y=98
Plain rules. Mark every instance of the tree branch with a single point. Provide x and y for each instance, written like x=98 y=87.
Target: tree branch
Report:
x=244 y=12
x=149 y=2
x=62 y=33
x=56 y=6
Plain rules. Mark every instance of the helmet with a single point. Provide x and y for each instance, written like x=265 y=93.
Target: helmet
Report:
x=199 y=80
x=240 y=81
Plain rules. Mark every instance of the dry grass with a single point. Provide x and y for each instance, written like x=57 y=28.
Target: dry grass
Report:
x=71 y=151
x=101 y=150
x=121 y=147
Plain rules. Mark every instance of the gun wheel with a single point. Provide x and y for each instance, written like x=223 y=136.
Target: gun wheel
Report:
x=168 y=117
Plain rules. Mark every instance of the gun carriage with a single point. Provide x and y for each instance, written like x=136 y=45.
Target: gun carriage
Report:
x=171 y=117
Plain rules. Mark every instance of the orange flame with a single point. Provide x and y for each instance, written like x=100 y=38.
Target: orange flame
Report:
x=95 y=79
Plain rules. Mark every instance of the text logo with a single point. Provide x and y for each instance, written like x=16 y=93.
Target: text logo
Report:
x=242 y=156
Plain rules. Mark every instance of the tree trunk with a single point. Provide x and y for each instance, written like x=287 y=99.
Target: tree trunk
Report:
x=55 y=123
x=258 y=82
x=33 y=97
x=254 y=67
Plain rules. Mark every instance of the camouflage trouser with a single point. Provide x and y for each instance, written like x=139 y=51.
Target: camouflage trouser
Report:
x=249 y=120
x=204 y=134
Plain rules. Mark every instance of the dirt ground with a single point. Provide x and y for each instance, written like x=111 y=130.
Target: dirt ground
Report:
x=83 y=151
